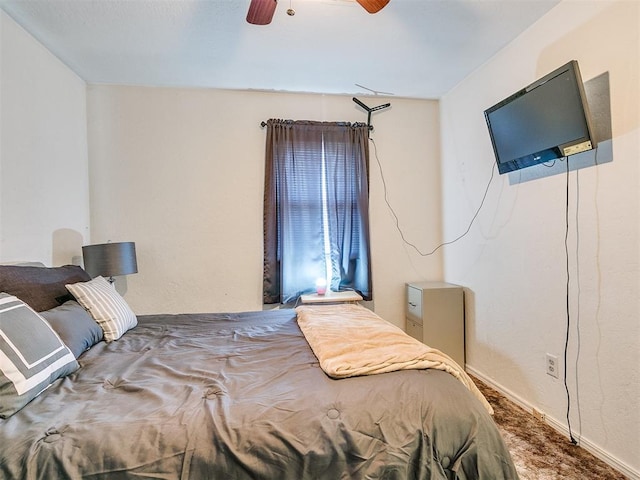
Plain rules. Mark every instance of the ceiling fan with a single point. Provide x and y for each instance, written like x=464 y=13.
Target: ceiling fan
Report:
x=261 y=11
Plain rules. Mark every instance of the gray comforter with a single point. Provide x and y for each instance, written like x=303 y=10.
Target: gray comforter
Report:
x=241 y=396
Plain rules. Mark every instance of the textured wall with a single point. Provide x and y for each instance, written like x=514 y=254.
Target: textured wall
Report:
x=44 y=184
x=513 y=260
x=180 y=172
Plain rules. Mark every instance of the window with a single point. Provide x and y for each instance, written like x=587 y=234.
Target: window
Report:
x=316 y=204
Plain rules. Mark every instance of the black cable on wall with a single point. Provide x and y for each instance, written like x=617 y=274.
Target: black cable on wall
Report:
x=566 y=341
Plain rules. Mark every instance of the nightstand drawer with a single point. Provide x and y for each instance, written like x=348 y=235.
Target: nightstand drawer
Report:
x=414 y=304
x=414 y=329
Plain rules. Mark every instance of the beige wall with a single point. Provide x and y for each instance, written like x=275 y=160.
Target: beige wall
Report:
x=44 y=185
x=180 y=172
x=513 y=260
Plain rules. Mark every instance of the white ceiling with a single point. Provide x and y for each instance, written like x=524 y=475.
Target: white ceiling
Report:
x=412 y=48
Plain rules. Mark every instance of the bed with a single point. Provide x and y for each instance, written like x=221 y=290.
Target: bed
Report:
x=232 y=396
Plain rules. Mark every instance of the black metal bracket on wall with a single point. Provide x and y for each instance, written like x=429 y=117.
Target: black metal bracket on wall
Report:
x=370 y=110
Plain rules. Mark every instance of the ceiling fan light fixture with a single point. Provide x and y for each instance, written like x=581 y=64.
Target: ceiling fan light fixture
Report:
x=261 y=11
x=373 y=6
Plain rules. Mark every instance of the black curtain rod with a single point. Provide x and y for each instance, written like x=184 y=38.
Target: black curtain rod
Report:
x=368 y=109
x=264 y=124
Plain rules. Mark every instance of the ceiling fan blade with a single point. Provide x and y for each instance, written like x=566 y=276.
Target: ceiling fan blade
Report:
x=373 y=6
x=261 y=11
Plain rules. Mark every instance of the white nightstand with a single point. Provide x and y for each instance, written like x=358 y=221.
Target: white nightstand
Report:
x=332 y=297
x=435 y=316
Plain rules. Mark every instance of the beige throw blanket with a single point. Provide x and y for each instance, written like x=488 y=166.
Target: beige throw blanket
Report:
x=350 y=340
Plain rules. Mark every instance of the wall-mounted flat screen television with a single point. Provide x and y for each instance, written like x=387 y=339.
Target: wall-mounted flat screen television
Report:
x=545 y=121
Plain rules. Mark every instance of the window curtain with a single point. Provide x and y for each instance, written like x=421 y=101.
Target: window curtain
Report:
x=316 y=205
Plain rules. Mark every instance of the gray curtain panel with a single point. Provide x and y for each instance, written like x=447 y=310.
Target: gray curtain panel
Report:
x=316 y=208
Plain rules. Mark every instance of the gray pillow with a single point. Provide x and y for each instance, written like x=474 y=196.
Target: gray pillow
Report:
x=75 y=326
x=32 y=356
x=41 y=288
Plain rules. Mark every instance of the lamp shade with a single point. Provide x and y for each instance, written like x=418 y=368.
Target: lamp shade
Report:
x=110 y=259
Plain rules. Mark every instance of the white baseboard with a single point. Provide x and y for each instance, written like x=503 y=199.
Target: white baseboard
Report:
x=589 y=446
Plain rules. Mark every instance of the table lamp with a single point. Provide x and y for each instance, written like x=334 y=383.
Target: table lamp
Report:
x=110 y=259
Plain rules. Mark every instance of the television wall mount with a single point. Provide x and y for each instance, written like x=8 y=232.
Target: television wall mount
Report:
x=370 y=110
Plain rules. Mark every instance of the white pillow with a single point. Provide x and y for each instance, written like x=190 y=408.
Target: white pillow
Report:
x=106 y=306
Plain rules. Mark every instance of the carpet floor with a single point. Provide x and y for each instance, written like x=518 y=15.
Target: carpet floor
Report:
x=540 y=452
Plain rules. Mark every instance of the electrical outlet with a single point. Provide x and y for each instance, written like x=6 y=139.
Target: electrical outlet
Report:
x=552 y=365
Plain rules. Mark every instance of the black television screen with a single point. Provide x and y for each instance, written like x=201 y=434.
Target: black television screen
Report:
x=547 y=120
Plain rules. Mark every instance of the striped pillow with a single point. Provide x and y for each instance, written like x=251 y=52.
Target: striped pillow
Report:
x=106 y=306
x=32 y=355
